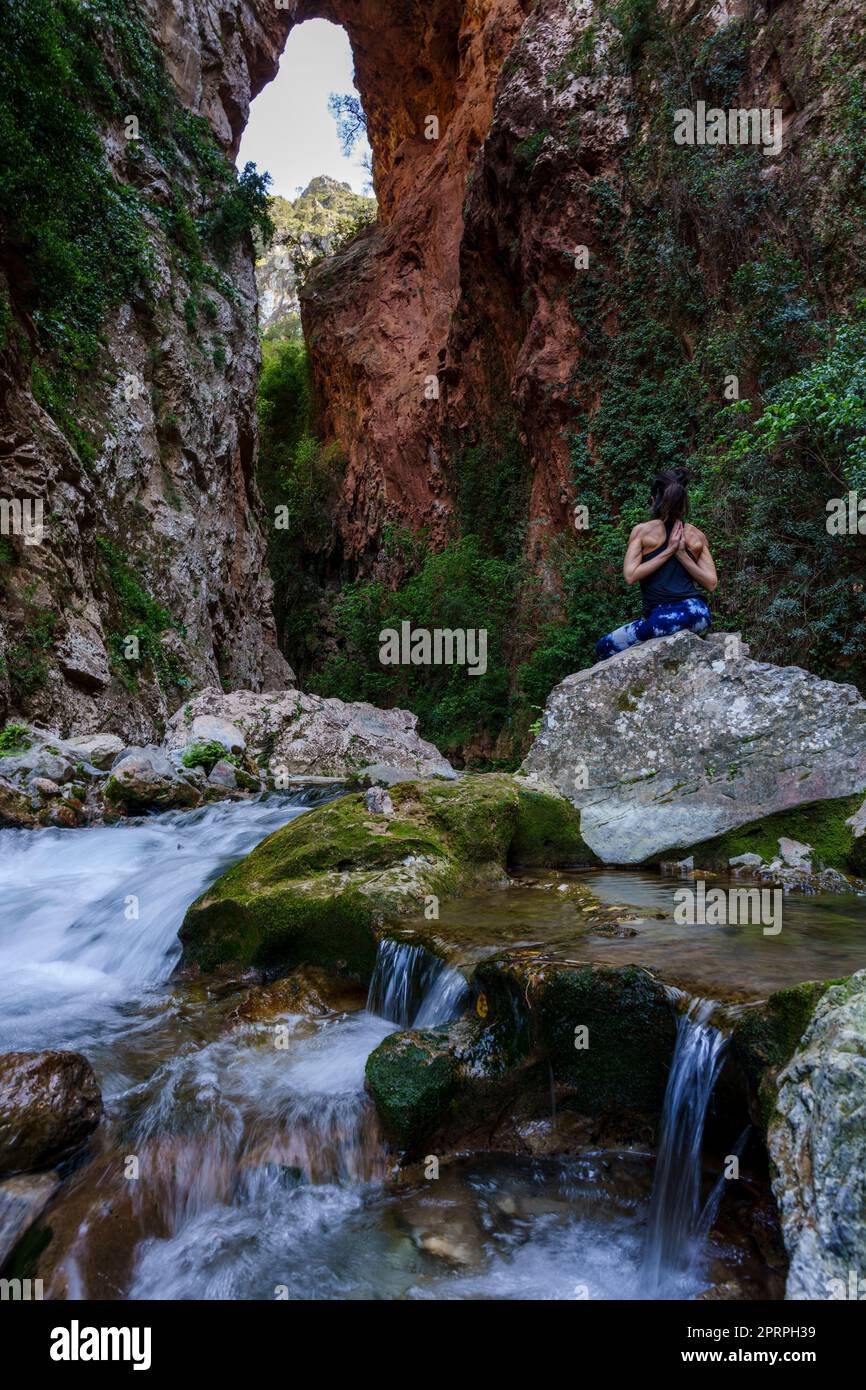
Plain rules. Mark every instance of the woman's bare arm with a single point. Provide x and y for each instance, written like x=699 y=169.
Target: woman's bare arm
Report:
x=703 y=569
x=634 y=567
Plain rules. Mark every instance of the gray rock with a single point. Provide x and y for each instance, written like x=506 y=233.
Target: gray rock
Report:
x=857 y=822
x=44 y=786
x=378 y=802
x=22 y=1201
x=208 y=729
x=223 y=774
x=817 y=1143
x=82 y=657
x=39 y=762
x=146 y=777
x=680 y=739
x=745 y=861
x=795 y=854
x=290 y=734
x=100 y=750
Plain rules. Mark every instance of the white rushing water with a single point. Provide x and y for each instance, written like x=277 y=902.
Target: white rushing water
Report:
x=261 y=1164
x=413 y=988
x=73 y=952
x=673 y=1233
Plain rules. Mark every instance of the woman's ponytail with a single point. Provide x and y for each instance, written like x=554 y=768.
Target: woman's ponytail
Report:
x=670 y=498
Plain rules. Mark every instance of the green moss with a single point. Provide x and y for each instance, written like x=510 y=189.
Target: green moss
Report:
x=443 y=838
x=80 y=228
x=301 y=923
x=26 y=658
x=138 y=615
x=820 y=824
x=548 y=833
x=631 y=1033
x=766 y=1038
x=414 y=1081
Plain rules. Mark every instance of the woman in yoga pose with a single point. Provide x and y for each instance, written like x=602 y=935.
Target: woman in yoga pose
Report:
x=669 y=557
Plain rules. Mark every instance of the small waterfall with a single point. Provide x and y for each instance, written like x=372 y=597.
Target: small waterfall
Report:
x=675 y=1204
x=413 y=988
x=714 y=1201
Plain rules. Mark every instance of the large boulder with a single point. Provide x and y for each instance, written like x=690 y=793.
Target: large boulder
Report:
x=291 y=734
x=49 y=1105
x=817 y=1143
x=681 y=739
x=321 y=890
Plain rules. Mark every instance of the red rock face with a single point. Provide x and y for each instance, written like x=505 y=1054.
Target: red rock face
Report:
x=378 y=318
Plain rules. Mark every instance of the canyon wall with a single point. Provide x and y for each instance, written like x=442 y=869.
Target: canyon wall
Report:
x=152 y=525
x=506 y=137
x=472 y=275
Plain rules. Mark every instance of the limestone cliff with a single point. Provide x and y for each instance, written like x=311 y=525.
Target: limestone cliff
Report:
x=144 y=461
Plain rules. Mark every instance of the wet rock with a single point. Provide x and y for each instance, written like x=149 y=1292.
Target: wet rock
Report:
x=817 y=1144
x=306 y=991
x=22 y=1201
x=621 y=1061
x=145 y=778
x=289 y=733
x=766 y=1037
x=49 y=1105
x=682 y=739
x=413 y=1079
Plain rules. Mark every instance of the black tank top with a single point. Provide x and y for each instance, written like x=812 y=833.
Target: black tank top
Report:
x=671 y=582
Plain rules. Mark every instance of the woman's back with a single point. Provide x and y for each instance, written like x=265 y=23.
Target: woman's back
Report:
x=671 y=583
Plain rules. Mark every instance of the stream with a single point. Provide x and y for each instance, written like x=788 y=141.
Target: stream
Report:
x=228 y=1167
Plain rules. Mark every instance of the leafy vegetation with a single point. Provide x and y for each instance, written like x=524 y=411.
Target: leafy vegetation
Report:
x=207 y=755
x=84 y=233
x=141 y=617
x=14 y=738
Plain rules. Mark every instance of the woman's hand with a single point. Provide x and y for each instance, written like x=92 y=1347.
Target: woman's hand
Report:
x=677 y=539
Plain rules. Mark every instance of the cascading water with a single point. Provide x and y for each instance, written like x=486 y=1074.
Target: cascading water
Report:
x=96 y=912
x=260 y=1163
x=413 y=988
x=675 y=1205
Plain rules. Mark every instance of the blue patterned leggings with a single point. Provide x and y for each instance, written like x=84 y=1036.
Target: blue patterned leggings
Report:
x=692 y=614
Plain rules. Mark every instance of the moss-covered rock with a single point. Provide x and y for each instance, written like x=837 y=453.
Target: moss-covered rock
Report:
x=320 y=890
x=629 y=1042
x=824 y=826
x=548 y=833
x=414 y=1079
x=767 y=1037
